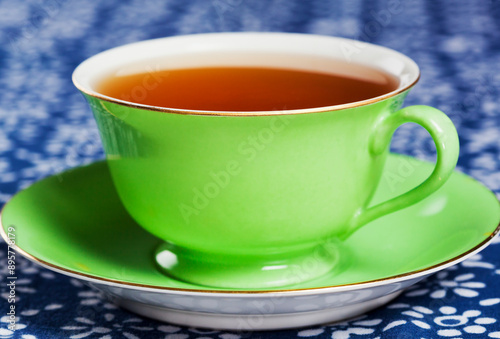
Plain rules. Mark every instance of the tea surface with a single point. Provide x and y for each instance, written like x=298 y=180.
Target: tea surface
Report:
x=246 y=88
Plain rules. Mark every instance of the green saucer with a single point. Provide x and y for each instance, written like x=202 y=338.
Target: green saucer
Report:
x=75 y=223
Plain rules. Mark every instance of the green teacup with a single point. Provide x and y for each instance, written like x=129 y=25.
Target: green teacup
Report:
x=254 y=199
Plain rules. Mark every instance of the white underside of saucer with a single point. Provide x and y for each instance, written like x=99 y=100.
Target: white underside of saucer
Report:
x=253 y=322
x=256 y=311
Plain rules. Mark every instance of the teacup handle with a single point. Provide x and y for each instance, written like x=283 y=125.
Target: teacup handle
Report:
x=445 y=137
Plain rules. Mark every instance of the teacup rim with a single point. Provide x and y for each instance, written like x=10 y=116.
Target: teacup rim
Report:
x=85 y=89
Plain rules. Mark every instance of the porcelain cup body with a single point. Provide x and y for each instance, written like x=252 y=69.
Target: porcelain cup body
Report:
x=255 y=199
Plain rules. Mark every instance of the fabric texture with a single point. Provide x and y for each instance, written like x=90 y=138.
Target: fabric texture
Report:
x=46 y=127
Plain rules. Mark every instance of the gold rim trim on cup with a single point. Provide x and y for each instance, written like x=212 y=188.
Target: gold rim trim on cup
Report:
x=130 y=285
x=244 y=113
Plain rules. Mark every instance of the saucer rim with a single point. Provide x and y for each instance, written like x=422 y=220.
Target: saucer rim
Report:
x=326 y=289
x=323 y=289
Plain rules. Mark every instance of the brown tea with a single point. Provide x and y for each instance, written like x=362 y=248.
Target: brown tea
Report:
x=248 y=88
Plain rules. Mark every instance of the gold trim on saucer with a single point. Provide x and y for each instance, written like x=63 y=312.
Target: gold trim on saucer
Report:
x=358 y=285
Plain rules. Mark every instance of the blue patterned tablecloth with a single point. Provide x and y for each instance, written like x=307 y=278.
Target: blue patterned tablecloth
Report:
x=46 y=127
